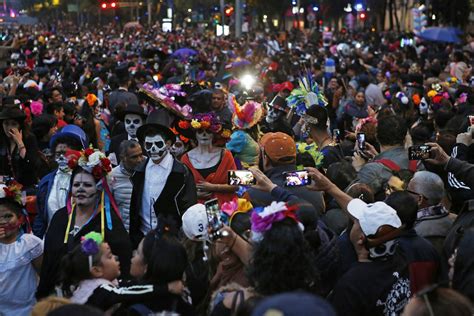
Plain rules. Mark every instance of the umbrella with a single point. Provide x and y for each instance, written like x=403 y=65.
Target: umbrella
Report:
x=184 y=53
x=440 y=34
x=132 y=25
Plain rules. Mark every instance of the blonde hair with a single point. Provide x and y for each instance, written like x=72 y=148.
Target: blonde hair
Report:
x=43 y=307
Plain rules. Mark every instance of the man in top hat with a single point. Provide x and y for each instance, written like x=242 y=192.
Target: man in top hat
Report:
x=122 y=93
x=134 y=117
x=163 y=187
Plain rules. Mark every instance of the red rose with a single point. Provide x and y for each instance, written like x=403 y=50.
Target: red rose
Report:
x=88 y=152
x=97 y=172
x=72 y=163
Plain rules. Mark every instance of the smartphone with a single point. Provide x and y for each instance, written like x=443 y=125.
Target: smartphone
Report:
x=213 y=218
x=419 y=152
x=361 y=141
x=241 y=177
x=336 y=134
x=297 y=178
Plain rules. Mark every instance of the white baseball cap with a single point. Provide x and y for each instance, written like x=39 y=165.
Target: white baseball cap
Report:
x=195 y=222
x=372 y=216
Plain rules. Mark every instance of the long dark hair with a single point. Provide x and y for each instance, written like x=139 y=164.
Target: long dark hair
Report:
x=165 y=256
x=283 y=261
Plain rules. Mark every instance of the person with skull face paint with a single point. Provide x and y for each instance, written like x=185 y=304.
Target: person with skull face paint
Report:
x=209 y=163
x=162 y=185
x=53 y=188
x=275 y=120
x=133 y=117
x=91 y=207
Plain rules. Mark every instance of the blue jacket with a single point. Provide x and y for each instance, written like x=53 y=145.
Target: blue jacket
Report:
x=40 y=224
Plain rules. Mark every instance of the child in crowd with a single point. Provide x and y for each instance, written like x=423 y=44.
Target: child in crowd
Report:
x=20 y=256
x=90 y=274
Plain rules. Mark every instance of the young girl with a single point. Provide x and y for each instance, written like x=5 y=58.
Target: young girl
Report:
x=20 y=256
x=91 y=270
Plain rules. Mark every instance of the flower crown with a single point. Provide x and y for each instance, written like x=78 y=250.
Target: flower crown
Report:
x=91 y=160
x=206 y=121
x=12 y=192
x=262 y=219
x=90 y=245
x=91 y=99
x=231 y=208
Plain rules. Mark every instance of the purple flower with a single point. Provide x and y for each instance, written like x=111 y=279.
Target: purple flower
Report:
x=90 y=247
x=263 y=224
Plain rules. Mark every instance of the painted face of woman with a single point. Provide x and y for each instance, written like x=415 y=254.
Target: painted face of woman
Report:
x=84 y=189
x=177 y=149
x=204 y=137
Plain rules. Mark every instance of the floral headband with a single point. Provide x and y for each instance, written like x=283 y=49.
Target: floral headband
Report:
x=231 y=208
x=90 y=245
x=91 y=160
x=206 y=121
x=12 y=192
x=362 y=122
x=262 y=219
x=91 y=99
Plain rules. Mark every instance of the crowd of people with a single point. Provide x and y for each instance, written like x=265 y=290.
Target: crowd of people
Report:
x=274 y=174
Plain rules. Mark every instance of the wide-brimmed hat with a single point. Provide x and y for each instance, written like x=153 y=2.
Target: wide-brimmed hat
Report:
x=159 y=119
x=12 y=113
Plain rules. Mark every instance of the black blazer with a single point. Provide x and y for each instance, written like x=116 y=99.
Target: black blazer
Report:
x=55 y=249
x=115 y=145
x=177 y=196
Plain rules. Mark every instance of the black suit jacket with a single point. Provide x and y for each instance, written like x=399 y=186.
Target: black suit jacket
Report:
x=179 y=193
x=115 y=145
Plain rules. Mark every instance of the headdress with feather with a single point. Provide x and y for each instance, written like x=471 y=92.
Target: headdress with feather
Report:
x=305 y=95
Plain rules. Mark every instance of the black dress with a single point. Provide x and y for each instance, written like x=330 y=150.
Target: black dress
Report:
x=55 y=248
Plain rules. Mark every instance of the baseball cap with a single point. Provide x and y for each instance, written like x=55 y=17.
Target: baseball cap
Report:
x=294 y=304
x=373 y=216
x=279 y=147
x=195 y=222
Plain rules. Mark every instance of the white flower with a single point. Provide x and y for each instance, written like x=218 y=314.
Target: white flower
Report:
x=273 y=208
x=94 y=159
x=3 y=194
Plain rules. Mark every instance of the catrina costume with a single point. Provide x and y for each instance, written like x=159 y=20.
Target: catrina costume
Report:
x=63 y=236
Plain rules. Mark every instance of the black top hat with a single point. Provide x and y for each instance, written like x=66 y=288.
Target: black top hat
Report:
x=12 y=113
x=133 y=109
x=159 y=119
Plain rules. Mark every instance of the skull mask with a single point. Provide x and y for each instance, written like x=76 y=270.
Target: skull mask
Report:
x=156 y=147
x=272 y=115
x=178 y=148
x=132 y=123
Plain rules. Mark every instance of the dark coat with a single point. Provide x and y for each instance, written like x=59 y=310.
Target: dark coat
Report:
x=115 y=145
x=42 y=194
x=55 y=248
x=177 y=196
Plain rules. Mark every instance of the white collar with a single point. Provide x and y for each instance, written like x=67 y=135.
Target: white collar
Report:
x=166 y=163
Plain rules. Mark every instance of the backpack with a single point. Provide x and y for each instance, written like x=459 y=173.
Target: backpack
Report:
x=403 y=174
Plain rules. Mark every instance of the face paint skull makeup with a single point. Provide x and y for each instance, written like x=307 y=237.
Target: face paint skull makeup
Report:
x=132 y=123
x=84 y=189
x=272 y=115
x=156 y=147
x=177 y=149
x=204 y=137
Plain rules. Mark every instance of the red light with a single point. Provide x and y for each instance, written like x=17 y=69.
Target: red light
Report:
x=113 y=4
x=228 y=11
x=362 y=16
x=320 y=22
x=104 y=5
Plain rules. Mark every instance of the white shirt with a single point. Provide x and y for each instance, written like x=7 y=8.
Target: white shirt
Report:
x=155 y=180
x=58 y=194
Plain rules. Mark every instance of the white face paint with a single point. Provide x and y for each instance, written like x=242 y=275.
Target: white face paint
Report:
x=204 y=137
x=272 y=115
x=177 y=149
x=156 y=147
x=132 y=123
x=84 y=189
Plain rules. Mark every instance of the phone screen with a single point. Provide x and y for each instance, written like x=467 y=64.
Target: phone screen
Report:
x=213 y=218
x=361 y=141
x=419 y=152
x=336 y=135
x=297 y=178
x=241 y=177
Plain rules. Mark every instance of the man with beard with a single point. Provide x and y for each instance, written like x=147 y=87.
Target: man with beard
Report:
x=162 y=185
x=134 y=116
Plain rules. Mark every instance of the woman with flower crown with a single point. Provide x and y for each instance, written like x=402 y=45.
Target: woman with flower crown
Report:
x=90 y=207
x=209 y=163
x=20 y=255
